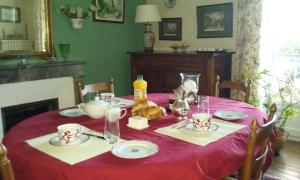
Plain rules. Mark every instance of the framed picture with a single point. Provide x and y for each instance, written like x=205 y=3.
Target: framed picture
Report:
x=214 y=21
x=170 y=29
x=10 y=14
x=109 y=10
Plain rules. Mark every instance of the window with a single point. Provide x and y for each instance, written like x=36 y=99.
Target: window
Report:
x=280 y=39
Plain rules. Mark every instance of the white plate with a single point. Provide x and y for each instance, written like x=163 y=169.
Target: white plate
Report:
x=230 y=115
x=121 y=102
x=73 y=112
x=212 y=127
x=134 y=149
x=56 y=142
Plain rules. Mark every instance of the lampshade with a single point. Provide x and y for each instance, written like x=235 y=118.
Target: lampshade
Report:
x=147 y=13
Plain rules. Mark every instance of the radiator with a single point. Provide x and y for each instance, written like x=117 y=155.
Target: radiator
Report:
x=16 y=45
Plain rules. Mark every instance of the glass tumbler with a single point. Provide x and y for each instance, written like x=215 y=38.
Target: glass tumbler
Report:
x=111 y=124
x=202 y=105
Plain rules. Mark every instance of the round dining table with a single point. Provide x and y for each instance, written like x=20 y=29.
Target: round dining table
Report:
x=176 y=159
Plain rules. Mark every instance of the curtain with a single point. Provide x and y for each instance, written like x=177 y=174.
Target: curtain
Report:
x=246 y=63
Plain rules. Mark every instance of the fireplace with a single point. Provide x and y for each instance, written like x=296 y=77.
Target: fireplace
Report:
x=11 y=115
x=24 y=93
x=32 y=86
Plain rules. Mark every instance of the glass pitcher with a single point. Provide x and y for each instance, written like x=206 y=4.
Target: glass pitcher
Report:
x=180 y=107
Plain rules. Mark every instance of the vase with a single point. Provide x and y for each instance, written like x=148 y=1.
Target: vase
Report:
x=149 y=38
x=77 y=23
x=278 y=143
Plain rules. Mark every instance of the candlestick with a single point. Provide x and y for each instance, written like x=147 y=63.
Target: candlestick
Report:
x=26 y=31
x=3 y=34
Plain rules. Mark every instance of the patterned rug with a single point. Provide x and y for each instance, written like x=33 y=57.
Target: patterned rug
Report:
x=265 y=177
x=269 y=177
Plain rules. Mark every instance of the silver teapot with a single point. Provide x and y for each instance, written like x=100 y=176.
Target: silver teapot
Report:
x=180 y=106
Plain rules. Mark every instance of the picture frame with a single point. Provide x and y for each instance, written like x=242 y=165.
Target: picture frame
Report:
x=170 y=29
x=214 y=20
x=108 y=12
x=10 y=14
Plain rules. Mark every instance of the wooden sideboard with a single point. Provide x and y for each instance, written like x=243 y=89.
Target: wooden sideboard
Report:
x=161 y=69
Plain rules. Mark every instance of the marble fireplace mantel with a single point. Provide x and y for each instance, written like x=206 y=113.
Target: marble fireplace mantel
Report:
x=30 y=72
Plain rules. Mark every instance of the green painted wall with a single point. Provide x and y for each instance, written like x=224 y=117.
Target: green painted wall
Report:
x=101 y=45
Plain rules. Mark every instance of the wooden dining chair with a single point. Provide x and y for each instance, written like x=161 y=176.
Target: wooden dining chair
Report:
x=258 y=138
x=233 y=85
x=6 y=172
x=95 y=87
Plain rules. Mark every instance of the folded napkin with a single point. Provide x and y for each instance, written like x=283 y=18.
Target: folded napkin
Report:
x=178 y=131
x=71 y=154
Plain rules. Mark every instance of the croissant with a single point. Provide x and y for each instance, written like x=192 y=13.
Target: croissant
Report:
x=142 y=104
x=148 y=109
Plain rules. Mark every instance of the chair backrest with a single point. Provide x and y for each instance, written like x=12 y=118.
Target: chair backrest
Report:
x=95 y=87
x=6 y=172
x=258 y=139
x=233 y=85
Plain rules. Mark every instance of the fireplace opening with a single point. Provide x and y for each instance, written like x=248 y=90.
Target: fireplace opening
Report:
x=11 y=115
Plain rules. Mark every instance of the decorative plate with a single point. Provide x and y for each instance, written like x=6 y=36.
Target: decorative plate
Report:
x=56 y=142
x=73 y=112
x=170 y=3
x=212 y=127
x=230 y=115
x=134 y=149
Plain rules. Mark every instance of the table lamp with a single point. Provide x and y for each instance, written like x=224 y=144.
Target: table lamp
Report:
x=147 y=14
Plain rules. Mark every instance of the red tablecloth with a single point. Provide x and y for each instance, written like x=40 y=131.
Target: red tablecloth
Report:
x=176 y=159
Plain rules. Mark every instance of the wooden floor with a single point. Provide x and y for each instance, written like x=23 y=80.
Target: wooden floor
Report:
x=287 y=165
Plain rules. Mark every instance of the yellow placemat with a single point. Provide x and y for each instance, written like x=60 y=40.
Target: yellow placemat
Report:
x=200 y=138
x=71 y=154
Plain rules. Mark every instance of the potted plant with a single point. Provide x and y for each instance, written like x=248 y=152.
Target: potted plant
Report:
x=77 y=15
x=281 y=91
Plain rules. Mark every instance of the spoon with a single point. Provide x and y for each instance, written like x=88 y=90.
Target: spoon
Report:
x=93 y=135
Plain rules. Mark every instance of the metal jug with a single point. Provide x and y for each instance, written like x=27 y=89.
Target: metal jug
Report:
x=180 y=106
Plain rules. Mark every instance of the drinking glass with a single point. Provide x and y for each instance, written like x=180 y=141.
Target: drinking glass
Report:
x=202 y=105
x=111 y=124
x=64 y=50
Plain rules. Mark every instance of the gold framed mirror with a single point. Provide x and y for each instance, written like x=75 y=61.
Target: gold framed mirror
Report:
x=25 y=28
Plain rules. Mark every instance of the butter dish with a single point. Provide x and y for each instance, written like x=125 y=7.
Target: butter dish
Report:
x=138 y=122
